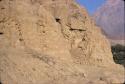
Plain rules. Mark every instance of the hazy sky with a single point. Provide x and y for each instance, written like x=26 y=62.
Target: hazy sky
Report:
x=91 y=5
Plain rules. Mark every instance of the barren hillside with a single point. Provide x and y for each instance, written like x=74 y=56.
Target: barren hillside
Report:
x=53 y=42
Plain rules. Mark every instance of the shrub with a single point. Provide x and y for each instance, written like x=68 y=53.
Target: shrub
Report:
x=119 y=54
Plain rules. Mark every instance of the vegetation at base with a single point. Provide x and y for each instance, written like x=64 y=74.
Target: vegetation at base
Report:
x=118 y=54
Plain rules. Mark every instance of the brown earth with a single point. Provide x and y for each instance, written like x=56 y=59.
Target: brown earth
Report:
x=53 y=42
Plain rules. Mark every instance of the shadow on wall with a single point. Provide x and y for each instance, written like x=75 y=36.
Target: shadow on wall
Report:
x=119 y=54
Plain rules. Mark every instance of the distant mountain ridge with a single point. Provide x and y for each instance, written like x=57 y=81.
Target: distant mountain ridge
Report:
x=110 y=17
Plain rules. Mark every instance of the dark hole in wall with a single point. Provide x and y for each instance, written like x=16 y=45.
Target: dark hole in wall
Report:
x=1 y=33
x=0 y=83
x=57 y=20
x=21 y=39
x=2 y=8
x=0 y=0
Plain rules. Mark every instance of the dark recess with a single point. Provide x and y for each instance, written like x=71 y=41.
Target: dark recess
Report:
x=1 y=33
x=57 y=20
x=76 y=29
x=21 y=39
x=3 y=8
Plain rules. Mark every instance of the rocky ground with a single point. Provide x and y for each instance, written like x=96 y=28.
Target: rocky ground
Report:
x=53 y=42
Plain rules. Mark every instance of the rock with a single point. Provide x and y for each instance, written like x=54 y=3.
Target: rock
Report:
x=50 y=42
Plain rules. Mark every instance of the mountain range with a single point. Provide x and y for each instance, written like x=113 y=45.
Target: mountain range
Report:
x=110 y=17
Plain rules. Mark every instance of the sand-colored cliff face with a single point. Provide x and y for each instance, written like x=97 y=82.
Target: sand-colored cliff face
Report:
x=52 y=42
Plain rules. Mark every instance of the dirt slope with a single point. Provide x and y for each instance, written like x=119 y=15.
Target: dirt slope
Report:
x=53 y=42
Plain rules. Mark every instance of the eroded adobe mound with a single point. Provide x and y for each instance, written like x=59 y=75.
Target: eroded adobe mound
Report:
x=53 y=42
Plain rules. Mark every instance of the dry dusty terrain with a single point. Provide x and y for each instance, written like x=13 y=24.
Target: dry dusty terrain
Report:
x=53 y=42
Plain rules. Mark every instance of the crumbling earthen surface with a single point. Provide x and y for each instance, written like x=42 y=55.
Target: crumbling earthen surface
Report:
x=53 y=42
